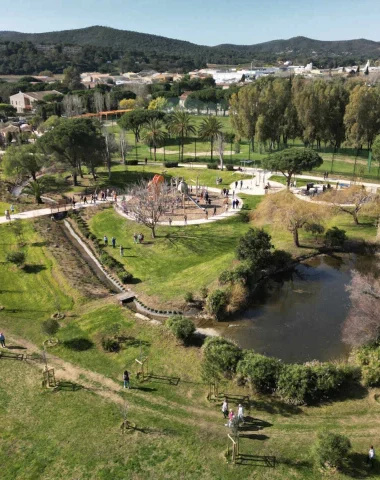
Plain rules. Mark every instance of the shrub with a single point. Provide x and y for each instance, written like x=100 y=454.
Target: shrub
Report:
x=326 y=379
x=216 y=303
x=335 y=237
x=18 y=258
x=124 y=275
x=369 y=359
x=204 y=292
x=212 y=166
x=331 y=450
x=181 y=327
x=50 y=327
x=314 y=228
x=293 y=384
x=171 y=164
x=280 y=259
x=220 y=357
x=110 y=344
x=132 y=162
x=262 y=372
x=237 y=297
x=189 y=297
x=229 y=167
x=255 y=246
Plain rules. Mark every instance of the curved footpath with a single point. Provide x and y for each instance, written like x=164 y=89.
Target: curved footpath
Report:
x=251 y=186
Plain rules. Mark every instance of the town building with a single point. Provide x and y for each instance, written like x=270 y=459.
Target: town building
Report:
x=25 y=101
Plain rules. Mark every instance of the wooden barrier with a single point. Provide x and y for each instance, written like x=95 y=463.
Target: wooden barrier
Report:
x=235 y=447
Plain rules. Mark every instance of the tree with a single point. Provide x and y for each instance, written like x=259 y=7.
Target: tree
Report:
x=210 y=128
x=123 y=145
x=182 y=327
x=23 y=160
x=179 y=124
x=7 y=110
x=71 y=79
x=34 y=188
x=99 y=101
x=50 y=327
x=153 y=134
x=158 y=103
x=135 y=121
x=335 y=237
x=72 y=105
x=376 y=152
x=362 y=114
x=262 y=372
x=292 y=161
x=362 y=326
x=284 y=210
x=331 y=450
x=255 y=246
x=220 y=358
x=75 y=142
x=350 y=200
x=127 y=104
x=148 y=203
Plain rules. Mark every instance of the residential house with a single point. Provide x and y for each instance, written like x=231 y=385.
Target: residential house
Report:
x=24 y=101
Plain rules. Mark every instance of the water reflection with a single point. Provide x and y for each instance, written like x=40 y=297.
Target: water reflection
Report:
x=299 y=316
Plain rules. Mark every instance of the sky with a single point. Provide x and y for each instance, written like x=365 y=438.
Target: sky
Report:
x=206 y=22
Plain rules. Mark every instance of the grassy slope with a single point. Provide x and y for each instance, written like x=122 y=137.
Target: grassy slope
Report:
x=66 y=434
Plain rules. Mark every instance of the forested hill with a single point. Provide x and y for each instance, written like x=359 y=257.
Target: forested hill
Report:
x=106 y=48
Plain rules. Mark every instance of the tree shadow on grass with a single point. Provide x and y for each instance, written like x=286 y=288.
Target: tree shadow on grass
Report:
x=357 y=467
x=253 y=436
x=39 y=244
x=78 y=344
x=275 y=407
x=34 y=268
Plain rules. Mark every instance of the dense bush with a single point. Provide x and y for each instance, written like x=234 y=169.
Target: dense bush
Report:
x=171 y=164
x=131 y=162
x=110 y=344
x=260 y=371
x=255 y=246
x=331 y=450
x=212 y=166
x=325 y=380
x=216 y=303
x=280 y=259
x=229 y=167
x=18 y=258
x=293 y=384
x=50 y=327
x=241 y=273
x=189 y=297
x=220 y=358
x=204 y=292
x=368 y=358
x=335 y=237
x=181 y=327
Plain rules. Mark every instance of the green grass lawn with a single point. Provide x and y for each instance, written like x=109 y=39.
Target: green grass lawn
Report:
x=69 y=434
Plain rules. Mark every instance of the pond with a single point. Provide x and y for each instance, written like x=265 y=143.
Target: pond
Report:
x=299 y=317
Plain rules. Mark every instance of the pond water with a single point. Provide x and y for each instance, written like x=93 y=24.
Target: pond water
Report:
x=299 y=317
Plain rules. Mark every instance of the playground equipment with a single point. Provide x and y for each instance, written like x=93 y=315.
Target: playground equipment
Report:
x=155 y=184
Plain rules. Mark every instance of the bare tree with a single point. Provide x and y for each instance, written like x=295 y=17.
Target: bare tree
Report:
x=123 y=145
x=72 y=105
x=350 y=200
x=111 y=147
x=220 y=148
x=362 y=325
x=107 y=101
x=98 y=101
x=148 y=202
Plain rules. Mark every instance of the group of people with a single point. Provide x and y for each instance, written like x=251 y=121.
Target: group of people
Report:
x=230 y=414
x=237 y=183
x=235 y=203
x=113 y=241
x=325 y=175
x=138 y=238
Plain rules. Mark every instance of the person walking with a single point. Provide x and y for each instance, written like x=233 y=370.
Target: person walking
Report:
x=241 y=184
x=135 y=237
x=231 y=417
x=113 y=241
x=84 y=200
x=170 y=222
x=214 y=212
x=12 y=208
x=225 y=408
x=185 y=219
x=240 y=413
x=126 y=380
x=236 y=184
x=105 y=238
x=121 y=251
x=2 y=340
x=371 y=456
x=7 y=215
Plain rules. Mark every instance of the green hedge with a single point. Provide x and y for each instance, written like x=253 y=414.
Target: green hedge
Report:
x=171 y=164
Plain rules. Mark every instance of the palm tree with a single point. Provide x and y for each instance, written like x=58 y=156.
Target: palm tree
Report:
x=210 y=128
x=180 y=124
x=153 y=134
x=34 y=188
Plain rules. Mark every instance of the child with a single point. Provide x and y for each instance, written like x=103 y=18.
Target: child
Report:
x=126 y=379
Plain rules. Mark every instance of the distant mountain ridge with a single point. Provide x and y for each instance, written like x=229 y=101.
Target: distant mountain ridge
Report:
x=128 y=40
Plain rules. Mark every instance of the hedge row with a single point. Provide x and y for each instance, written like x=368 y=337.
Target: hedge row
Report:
x=171 y=164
